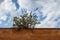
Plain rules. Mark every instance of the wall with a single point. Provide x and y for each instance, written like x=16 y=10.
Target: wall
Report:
x=28 y=34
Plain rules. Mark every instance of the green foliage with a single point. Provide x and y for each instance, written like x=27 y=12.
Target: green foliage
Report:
x=25 y=21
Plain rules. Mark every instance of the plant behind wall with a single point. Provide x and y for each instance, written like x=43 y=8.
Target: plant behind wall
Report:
x=25 y=21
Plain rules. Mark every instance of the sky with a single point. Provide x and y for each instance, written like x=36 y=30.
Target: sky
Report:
x=48 y=12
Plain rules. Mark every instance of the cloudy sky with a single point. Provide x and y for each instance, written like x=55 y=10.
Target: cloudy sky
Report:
x=48 y=12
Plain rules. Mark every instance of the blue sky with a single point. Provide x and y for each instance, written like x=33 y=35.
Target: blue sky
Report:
x=48 y=12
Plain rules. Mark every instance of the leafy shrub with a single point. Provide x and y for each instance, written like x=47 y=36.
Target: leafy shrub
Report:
x=25 y=21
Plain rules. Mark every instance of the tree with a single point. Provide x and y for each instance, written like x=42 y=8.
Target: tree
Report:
x=25 y=21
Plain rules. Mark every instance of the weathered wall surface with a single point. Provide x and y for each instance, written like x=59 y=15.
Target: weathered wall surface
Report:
x=27 y=34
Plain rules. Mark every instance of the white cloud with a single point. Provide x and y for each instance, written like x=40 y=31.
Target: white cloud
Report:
x=51 y=9
x=3 y=18
x=28 y=4
x=46 y=24
x=7 y=6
